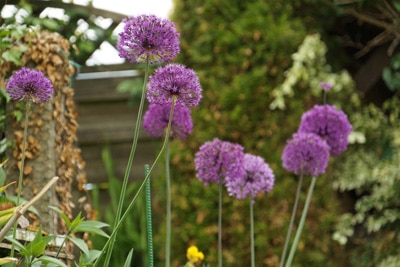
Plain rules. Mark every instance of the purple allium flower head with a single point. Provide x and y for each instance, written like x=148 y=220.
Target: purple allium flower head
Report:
x=325 y=86
x=258 y=177
x=329 y=123
x=174 y=80
x=148 y=36
x=307 y=153
x=29 y=84
x=155 y=120
x=217 y=160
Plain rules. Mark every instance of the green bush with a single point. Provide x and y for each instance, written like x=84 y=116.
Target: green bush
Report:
x=370 y=175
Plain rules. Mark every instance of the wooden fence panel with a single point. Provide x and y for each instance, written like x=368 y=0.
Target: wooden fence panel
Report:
x=106 y=119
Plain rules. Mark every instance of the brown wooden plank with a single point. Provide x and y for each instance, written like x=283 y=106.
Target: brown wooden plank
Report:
x=146 y=153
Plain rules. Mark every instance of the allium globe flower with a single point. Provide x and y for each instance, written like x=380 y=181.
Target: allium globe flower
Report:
x=258 y=177
x=155 y=120
x=306 y=153
x=29 y=84
x=217 y=160
x=148 y=37
x=174 y=80
x=330 y=124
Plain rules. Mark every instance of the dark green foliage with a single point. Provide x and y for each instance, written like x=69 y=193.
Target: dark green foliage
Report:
x=391 y=74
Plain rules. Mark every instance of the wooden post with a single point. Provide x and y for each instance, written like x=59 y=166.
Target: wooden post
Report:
x=52 y=128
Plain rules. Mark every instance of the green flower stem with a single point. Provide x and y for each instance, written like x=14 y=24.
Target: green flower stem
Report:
x=149 y=221
x=25 y=136
x=289 y=232
x=125 y=215
x=130 y=161
x=168 y=234
x=21 y=169
x=301 y=224
x=253 y=257
x=220 y=224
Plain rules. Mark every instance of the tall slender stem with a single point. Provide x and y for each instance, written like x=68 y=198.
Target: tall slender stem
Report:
x=168 y=234
x=253 y=257
x=130 y=161
x=149 y=220
x=129 y=208
x=25 y=136
x=289 y=232
x=301 y=224
x=220 y=224
x=21 y=169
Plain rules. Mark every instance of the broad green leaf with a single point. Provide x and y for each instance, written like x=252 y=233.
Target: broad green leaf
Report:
x=38 y=245
x=13 y=55
x=92 y=227
x=80 y=243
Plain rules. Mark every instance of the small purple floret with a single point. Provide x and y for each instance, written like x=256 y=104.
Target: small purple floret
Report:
x=31 y=85
x=155 y=120
x=306 y=153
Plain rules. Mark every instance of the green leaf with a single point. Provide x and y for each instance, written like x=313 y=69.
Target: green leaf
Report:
x=76 y=222
x=128 y=259
x=17 y=244
x=38 y=245
x=51 y=261
x=80 y=243
x=396 y=5
x=2 y=176
x=13 y=55
x=92 y=227
x=18 y=114
x=89 y=258
x=22 y=201
x=62 y=215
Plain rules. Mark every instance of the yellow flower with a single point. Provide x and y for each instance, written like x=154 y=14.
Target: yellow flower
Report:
x=194 y=255
x=200 y=255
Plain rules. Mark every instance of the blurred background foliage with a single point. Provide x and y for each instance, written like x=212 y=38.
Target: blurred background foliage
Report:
x=85 y=27
x=245 y=52
x=249 y=55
